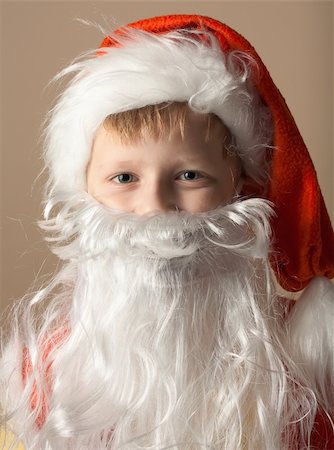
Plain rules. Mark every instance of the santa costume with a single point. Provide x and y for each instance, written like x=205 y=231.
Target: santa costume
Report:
x=173 y=331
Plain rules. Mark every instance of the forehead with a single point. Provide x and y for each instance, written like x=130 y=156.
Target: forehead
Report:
x=194 y=134
x=158 y=121
x=191 y=142
x=161 y=125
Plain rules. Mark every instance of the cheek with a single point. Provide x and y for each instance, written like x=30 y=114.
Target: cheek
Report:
x=202 y=200
x=207 y=199
x=230 y=180
x=112 y=199
x=89 y=182
x=93 y=183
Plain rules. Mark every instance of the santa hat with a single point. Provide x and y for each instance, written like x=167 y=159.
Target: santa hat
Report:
x=303 y=245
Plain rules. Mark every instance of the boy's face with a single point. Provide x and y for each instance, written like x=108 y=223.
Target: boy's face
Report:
x=189 y=173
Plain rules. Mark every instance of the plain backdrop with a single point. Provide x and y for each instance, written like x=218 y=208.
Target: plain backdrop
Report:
x=39 y=38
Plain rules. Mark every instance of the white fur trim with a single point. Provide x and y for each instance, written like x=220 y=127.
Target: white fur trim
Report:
x=148 y=69
x=312 y=335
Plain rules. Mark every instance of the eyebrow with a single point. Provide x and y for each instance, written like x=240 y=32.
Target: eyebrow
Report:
x=125 y=162
x=192 y=161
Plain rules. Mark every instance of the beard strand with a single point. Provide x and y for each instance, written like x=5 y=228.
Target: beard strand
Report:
x=173 y=333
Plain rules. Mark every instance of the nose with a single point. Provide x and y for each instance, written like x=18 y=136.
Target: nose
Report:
x=156 y=198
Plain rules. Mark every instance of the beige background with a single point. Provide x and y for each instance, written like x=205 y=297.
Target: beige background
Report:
x=39 y=38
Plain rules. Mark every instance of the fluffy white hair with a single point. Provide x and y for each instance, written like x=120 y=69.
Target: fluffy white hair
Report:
x=146 y=69
x=171 y=336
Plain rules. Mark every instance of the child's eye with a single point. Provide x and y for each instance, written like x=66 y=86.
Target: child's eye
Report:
x=189 y=175
x=123 y=178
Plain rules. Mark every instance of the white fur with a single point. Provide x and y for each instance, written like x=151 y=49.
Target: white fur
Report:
x=149 y=69
x=177 y=338
x=311 y=335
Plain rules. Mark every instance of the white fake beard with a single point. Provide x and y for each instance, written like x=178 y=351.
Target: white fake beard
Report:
x=174 y=335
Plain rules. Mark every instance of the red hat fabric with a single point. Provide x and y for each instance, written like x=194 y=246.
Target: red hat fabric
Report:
x=303 y=244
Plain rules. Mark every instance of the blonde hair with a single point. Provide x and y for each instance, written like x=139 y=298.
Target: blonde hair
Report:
x=159 y=121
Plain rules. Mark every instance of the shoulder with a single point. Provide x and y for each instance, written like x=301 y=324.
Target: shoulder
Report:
x=313 y=313
x=311 y=342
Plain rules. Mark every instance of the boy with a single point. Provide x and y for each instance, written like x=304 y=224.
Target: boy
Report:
x=165 y=328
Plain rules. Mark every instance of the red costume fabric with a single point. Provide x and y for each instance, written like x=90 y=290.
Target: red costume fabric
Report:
x=39 y=397
x=303 y=235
